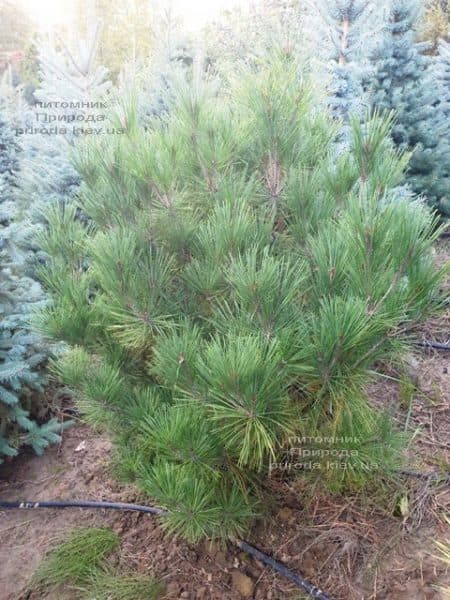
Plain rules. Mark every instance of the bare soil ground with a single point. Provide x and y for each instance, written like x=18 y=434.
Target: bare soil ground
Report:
x=357 y=547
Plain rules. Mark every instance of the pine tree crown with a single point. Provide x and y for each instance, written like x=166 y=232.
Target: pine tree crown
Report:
x=234 y=288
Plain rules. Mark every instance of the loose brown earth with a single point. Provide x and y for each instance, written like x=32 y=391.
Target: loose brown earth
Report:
x=358 y=547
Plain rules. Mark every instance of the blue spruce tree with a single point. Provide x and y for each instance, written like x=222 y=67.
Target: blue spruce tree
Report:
x=350 y=27
x=402 y=82
x=442 y=73
x=21 y=352
x=149 y=86
x=69 y=82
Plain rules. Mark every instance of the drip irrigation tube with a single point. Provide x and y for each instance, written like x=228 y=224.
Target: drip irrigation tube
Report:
x=84 y=504
x=312 y=590
x=435 y=345
x=298 y=580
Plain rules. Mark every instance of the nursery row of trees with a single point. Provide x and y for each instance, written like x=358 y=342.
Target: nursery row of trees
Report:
x=221 y=277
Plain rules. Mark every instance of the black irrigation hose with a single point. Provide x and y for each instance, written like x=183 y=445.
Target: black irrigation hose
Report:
x=435 y=345
x=85 y=504
x=299 y=581
x=311 y=589
x=445 y=234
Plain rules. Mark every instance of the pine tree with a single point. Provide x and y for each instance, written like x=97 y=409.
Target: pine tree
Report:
x=402 y=83
x=22 y=353
x=234 y=289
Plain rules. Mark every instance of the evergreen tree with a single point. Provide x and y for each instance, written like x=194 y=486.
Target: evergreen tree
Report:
x=436 y=22
x=442 y=73
x=350 y=26
x=69 y=81
x=15 y=28
x=22 y=353
x=127 y=33
x=234 y=288
x=246 y=33
x=149 y=86
x=402 y=83
x=9 y=162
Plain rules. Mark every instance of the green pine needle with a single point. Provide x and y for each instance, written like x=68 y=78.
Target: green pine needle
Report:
x=115 y=586
x=76 y=559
